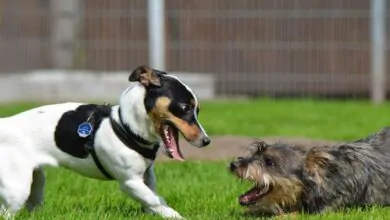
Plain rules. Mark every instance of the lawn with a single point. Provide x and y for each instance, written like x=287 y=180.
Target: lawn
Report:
x=204 y=190
x=198 y=190
x=329 y=120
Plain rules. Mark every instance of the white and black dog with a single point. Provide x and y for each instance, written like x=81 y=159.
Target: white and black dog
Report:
x=100 y=141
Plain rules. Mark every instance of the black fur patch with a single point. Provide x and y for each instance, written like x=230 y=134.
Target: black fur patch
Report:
x=177 y=93
x=66 y=136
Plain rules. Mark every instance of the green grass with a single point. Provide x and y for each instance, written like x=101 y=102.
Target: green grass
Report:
x=198 y=190
x=204 y=190
x=333 y=120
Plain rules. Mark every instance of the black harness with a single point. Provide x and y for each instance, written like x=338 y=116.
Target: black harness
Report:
x=128 y=138
x=131 y=140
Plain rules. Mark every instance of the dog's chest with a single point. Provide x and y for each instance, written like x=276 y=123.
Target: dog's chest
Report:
x=85 y=119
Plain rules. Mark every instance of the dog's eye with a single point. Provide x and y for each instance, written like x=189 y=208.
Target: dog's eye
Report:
x=185 y=107
x=268 y=162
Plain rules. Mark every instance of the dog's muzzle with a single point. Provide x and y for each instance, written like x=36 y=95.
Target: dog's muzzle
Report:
x=202 y=140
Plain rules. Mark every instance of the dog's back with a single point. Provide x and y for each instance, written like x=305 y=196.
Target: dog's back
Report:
x=350 y=174
x=33 y=128
x=380 y=139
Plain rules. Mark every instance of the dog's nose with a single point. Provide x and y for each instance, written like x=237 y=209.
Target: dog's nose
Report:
x=206 y=141
x=235 y=163
x=233 y=166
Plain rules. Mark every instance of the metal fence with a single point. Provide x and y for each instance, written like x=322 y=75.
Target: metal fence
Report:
x=254 y=47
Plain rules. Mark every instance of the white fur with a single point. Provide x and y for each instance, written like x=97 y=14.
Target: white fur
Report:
x=199 y=140
x=27 y=144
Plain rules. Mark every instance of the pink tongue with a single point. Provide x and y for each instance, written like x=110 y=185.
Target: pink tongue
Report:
x=176 y=153
x=249 y=196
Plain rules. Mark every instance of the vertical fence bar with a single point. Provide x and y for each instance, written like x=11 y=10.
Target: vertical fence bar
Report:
x=378 y=51
x=64 y=18
x=156 y=32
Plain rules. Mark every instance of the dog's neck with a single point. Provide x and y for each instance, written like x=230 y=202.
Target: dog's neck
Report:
x=134 y=115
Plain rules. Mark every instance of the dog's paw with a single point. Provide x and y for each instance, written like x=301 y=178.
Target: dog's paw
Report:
x=167 y=212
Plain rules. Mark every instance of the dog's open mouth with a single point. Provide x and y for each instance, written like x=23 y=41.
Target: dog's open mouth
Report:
x=170 y=135
x=254 y=194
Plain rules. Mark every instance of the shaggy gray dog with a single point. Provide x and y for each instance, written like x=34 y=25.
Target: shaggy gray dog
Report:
x=316 y=179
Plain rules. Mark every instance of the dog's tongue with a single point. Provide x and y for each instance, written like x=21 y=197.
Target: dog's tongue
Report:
x=249 y=197
x=175 y=150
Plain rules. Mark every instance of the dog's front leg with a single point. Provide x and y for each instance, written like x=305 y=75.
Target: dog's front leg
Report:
x=137 y=189
x=150 y=180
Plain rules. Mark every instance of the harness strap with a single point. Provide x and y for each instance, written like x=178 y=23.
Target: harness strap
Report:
x=90 y=146
x=127 y=137
x=99 y=165
x=132 y=140
x=125 y=129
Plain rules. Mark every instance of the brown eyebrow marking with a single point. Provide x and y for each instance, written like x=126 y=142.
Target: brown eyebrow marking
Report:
x=160 y=112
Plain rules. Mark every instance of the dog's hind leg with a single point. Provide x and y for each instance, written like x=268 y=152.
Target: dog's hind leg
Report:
x=14 y=190
x=137 y=189
x=35 y=198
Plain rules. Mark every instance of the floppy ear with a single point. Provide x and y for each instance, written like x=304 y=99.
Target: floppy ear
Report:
x=317 y=163
x=258 y=145
x=145 y=75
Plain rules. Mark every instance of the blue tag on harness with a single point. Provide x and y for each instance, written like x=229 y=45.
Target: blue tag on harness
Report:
x=85 y=129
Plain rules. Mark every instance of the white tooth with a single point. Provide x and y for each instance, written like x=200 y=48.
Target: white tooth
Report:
x=264 y=189
x=246 y=175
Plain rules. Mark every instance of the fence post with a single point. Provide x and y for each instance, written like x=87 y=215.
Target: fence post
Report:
x=378 y=51
x=156 y=33
x=64 y=19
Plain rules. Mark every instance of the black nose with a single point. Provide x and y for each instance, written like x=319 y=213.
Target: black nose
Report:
x=236 y=163
x=206 y=141
x=233 y=166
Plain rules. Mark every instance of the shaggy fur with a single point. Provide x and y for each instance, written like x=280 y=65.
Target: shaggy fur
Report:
x=316 y=179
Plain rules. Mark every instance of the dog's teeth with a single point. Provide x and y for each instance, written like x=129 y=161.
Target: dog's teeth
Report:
x=264 y=189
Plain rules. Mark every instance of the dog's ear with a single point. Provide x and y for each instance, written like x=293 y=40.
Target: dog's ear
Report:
x=257 y=146
x=146 y=76
x=317 y=163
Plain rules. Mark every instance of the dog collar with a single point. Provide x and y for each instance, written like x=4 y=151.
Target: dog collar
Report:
x=129 y=132
x=131 y=140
